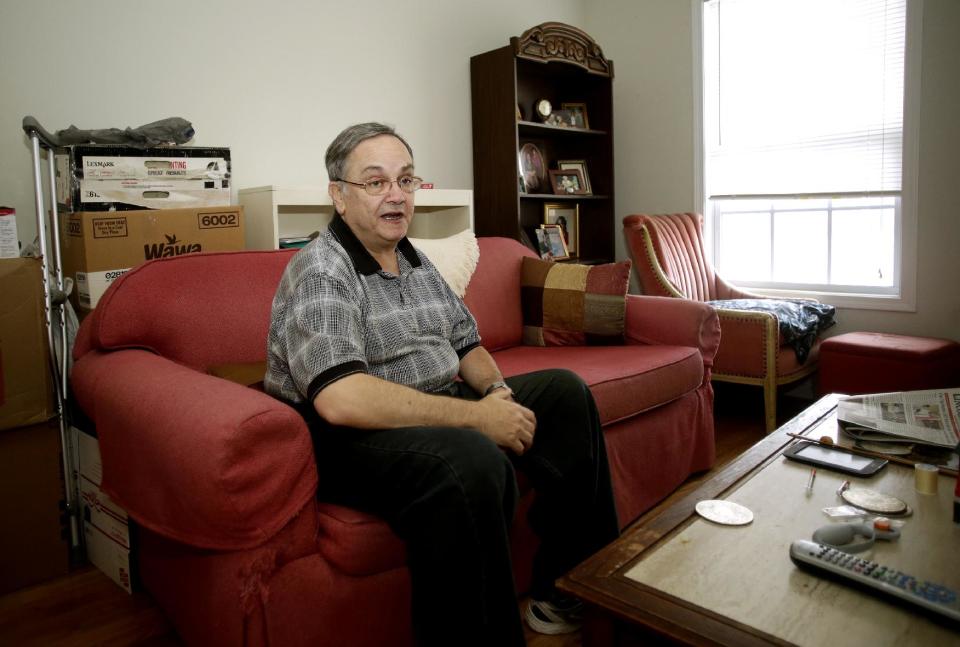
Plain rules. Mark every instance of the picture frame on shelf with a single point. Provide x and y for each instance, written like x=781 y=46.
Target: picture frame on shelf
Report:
x=578 y=114
x=533 y=168
x=567 y=217
x=578 y=165
x=560 y=119
x=553 y=236
x=543 y=248
x=567 y=182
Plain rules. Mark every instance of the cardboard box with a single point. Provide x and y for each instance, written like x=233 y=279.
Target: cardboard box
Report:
x=34 y=544
x=97 y=247
x=106 y=527
x=90 y=176
x=154 y=193
x=26 y=385
x=9 y=241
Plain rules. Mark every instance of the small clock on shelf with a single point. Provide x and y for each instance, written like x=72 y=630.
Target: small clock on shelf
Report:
x=543 y=109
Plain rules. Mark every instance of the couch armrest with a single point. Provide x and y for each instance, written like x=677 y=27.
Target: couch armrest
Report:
x=674 y=322
x=194 y=457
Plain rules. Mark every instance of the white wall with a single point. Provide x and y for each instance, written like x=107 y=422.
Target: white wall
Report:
x=651 y=48
x=277 y=83
x=650 y=43
x=274 y=81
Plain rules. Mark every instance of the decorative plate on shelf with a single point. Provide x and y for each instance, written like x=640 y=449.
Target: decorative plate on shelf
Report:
x=533 y=168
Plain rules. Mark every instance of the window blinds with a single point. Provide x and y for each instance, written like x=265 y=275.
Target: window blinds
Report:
x=803 y=96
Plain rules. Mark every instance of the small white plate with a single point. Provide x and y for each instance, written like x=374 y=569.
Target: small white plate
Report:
x=727 y=513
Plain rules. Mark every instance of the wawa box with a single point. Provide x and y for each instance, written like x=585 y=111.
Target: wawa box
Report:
x=97 y=247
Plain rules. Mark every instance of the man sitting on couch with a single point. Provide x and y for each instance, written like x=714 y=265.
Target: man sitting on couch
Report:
x=366 y=339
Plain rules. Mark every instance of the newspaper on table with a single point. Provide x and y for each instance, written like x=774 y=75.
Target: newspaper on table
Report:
x=929 y=417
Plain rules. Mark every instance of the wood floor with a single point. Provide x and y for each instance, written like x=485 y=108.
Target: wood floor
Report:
x=85 y=608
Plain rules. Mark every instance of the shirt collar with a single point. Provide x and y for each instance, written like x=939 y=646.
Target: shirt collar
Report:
x=362 y=260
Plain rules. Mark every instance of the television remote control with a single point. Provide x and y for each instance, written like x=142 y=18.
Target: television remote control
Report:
x=824 y=560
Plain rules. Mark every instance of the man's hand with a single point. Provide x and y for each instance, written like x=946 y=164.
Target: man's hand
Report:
x=506 y=422
x=363 y=401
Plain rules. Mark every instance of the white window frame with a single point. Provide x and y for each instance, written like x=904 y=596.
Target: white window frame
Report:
x=906 y=251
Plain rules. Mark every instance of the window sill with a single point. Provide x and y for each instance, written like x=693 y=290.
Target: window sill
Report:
x=854 y=301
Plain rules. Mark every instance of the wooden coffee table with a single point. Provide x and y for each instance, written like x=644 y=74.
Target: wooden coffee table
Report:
x=673 y=577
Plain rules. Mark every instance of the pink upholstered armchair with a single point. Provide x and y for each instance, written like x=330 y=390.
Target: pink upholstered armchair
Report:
x=669 y=259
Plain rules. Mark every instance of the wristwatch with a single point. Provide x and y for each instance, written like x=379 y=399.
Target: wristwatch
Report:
x=499 y=384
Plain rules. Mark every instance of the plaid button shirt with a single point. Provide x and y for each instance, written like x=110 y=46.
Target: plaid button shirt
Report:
x=337 y=312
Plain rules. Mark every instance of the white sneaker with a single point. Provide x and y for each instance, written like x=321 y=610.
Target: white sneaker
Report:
x=561 y=616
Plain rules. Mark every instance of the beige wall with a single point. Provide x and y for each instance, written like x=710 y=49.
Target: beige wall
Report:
x=651 y=45
x=274 y=81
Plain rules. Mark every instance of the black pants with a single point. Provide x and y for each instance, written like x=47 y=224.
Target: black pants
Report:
x=451 y=493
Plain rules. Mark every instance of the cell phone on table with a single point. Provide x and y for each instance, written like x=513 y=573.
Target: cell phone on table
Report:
x=834 y=459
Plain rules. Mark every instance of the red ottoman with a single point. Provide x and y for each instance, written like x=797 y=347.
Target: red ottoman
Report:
x=873 y=362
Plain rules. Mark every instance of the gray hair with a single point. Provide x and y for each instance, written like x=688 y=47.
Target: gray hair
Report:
x=351 y=137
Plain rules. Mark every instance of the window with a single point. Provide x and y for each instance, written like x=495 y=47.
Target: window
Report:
x=803 y=128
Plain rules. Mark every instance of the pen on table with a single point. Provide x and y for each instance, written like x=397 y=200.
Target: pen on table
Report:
x=813 y=476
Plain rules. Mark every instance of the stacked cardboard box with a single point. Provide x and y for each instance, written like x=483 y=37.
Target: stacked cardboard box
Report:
x=34 y=545
x=26 y=388
x=97 y=177
x=106 y=528
x=130 y=205
x=98 y=247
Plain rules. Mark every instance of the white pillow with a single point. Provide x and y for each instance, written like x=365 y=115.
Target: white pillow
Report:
x=454 y=256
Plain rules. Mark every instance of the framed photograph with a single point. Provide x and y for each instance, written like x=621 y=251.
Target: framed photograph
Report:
x=560 y=119
x=533 y=168
x=553 y=237
x=543 y=248
x=567 y=217
x=577 y=165
x=578 y=114
x=567 y=182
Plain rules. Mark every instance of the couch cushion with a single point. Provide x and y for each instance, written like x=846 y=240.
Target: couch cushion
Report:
x=245 y=373
x=493 y=295
x=625 y=380
x=568 y=304
x=358 y=543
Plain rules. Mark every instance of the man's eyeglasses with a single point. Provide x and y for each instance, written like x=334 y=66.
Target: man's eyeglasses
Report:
x=379 y=186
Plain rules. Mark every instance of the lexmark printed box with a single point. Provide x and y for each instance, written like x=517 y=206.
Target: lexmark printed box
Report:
x=98 y=247
x=153 y=193
x=81 y=171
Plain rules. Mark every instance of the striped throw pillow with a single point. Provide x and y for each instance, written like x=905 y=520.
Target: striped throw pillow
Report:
x=565 y=304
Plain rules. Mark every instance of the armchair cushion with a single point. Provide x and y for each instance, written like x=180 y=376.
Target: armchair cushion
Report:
x=566 y=304
x=800 y=320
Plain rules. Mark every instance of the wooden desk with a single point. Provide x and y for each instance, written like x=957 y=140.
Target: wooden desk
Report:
x=675 y=577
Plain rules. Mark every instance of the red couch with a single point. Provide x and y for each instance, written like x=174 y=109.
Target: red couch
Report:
x=220 y=478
